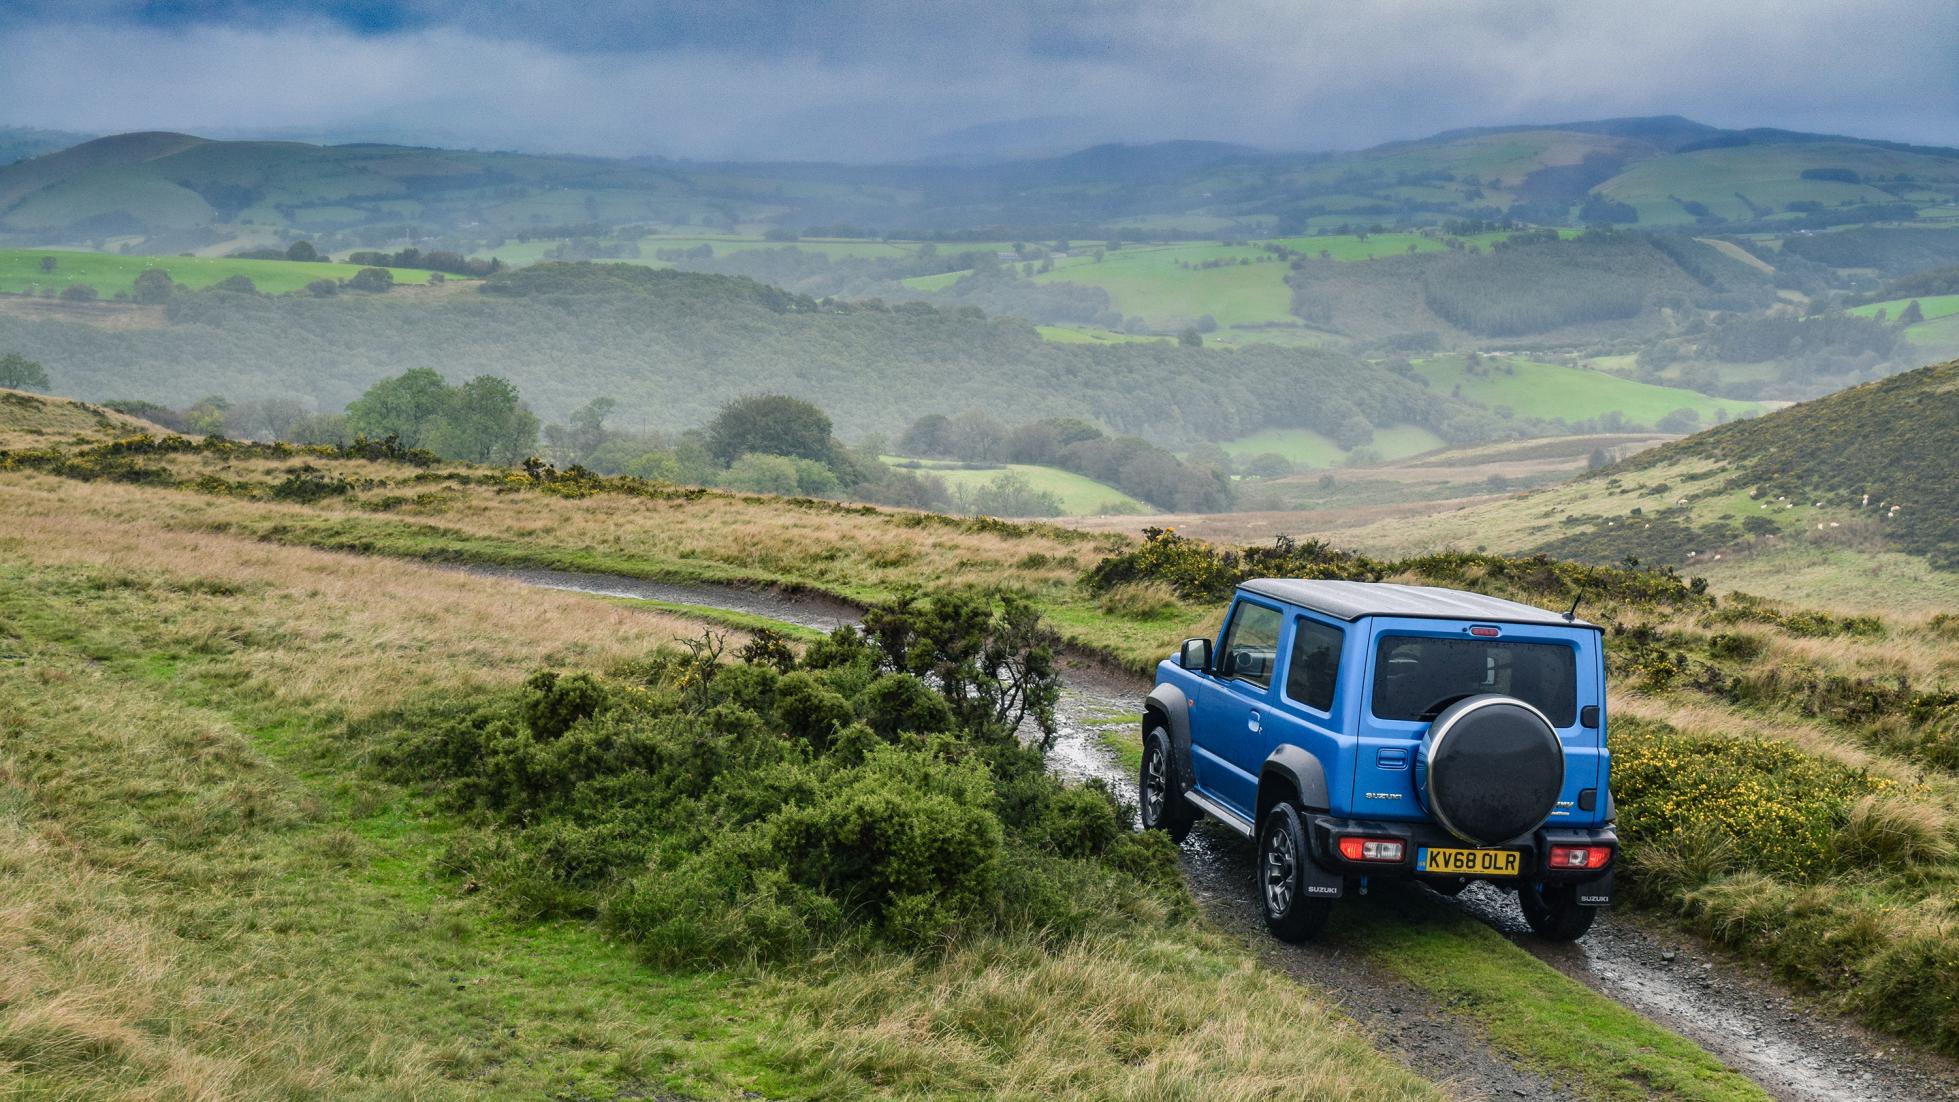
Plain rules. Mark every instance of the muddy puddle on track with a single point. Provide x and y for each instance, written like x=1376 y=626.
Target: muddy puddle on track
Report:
x=1746 y=1021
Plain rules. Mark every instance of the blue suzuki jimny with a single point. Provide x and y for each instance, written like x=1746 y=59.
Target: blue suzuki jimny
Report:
x=1359 y=730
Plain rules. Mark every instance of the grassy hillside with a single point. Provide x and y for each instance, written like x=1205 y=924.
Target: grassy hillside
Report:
x=22 y=272
x=36 y=420
x=1777 y=504
x=671 y=347
x=267 y=679
x=1533 y=389
x=1738 y=184
x=1715 y=696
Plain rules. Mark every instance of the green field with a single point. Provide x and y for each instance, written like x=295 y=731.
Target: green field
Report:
x=1306 y=448
x=1938 y=333
x=1551 y=390
x=1080 y=497
x=108 y=273
x=1934 y=307
x=1148 y=282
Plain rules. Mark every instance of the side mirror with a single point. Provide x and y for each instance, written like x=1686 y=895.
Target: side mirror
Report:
x=1195 y=655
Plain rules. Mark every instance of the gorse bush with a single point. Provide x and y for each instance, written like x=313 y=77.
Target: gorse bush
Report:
x=1199 y=571
x=1771 y=807
x=760 y=809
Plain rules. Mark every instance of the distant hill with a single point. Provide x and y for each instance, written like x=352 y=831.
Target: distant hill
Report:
x=18 y=143
x=1658 y=171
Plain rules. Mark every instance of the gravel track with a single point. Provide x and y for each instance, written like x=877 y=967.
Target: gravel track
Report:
x=1757 y=1028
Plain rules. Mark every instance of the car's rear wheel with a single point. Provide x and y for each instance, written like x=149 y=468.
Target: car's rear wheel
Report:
x=1290 y=913
x=1163 y=806
x=1554 y=912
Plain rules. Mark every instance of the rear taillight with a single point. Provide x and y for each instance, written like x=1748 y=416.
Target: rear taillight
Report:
x=1580 y=857
x=1372 y=849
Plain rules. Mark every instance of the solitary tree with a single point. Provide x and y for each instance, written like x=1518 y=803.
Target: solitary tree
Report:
x=48 y=263
x=152 y=285
x=21 y=373
x=1190 y=337
x=1912 y=314
x=771 y=424
x=372 y=279
x=302 y=250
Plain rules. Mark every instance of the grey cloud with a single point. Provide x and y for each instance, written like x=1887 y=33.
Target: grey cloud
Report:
x=879 y=79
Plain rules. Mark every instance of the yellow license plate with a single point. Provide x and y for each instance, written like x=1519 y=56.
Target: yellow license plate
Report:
x=1466 y=862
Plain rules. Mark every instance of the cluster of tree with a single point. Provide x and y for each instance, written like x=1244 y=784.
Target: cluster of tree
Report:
x=303 y=251
x=1129 y=463
x=479 y=421
x=1895 y=252
x=768 y=443
x=1739 y=339
x=433 y=261
x=1599 y=276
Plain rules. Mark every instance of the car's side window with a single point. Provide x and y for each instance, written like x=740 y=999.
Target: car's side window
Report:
x=1315 y=663
x=1251 y=645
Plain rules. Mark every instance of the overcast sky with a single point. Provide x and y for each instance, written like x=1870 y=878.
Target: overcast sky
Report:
x=881 y=79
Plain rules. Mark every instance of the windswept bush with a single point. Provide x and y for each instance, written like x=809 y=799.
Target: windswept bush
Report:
x=715 y=811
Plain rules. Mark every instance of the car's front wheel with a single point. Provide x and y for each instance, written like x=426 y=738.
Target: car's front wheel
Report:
x=1163 y=807
x=1554 y=912
x=1290 y=913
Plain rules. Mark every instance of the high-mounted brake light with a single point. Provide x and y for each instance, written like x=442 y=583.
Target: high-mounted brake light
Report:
x=1580 y=857
x=1485 y=631
x=1371 y=849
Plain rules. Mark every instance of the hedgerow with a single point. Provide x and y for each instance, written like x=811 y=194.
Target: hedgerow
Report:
x=718 y=811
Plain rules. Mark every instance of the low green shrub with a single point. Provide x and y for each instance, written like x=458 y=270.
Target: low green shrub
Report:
x=716 y=811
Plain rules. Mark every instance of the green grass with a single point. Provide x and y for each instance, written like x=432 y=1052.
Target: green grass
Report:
x=1552 y=390
x=1940 y=333
x=1147 y=282
x=108 y=273
x=1933 y=306
x=1306 y=448
x=1080 y=496
x=1543 y=1018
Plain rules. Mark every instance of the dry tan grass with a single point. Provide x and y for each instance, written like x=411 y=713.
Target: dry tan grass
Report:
x=360 y=632
x=1013 y=1021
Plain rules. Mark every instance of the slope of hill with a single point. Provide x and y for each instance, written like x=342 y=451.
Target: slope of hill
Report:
x=37 y=420
x=1849 y=499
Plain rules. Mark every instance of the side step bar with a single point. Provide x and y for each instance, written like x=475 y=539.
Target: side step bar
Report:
x=1221 y=813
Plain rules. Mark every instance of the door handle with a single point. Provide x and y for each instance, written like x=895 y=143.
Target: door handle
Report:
x=1253 y=725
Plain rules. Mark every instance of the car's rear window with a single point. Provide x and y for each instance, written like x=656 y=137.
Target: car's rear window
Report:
x=1414 y=677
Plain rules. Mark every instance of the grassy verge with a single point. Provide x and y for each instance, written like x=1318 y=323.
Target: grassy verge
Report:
x=212 y=896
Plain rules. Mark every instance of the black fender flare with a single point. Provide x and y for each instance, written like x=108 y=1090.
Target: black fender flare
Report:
x=1168 y=704
x=1291 y=765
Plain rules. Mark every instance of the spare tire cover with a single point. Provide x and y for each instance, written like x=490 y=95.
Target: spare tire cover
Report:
x=1489 y=769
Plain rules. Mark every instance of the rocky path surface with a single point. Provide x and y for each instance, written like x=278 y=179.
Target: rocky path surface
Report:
x=1793 y=1052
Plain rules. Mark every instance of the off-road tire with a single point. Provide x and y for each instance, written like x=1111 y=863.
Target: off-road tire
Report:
x=1289 y=912
x=1554 y=912
x=1160 y=802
